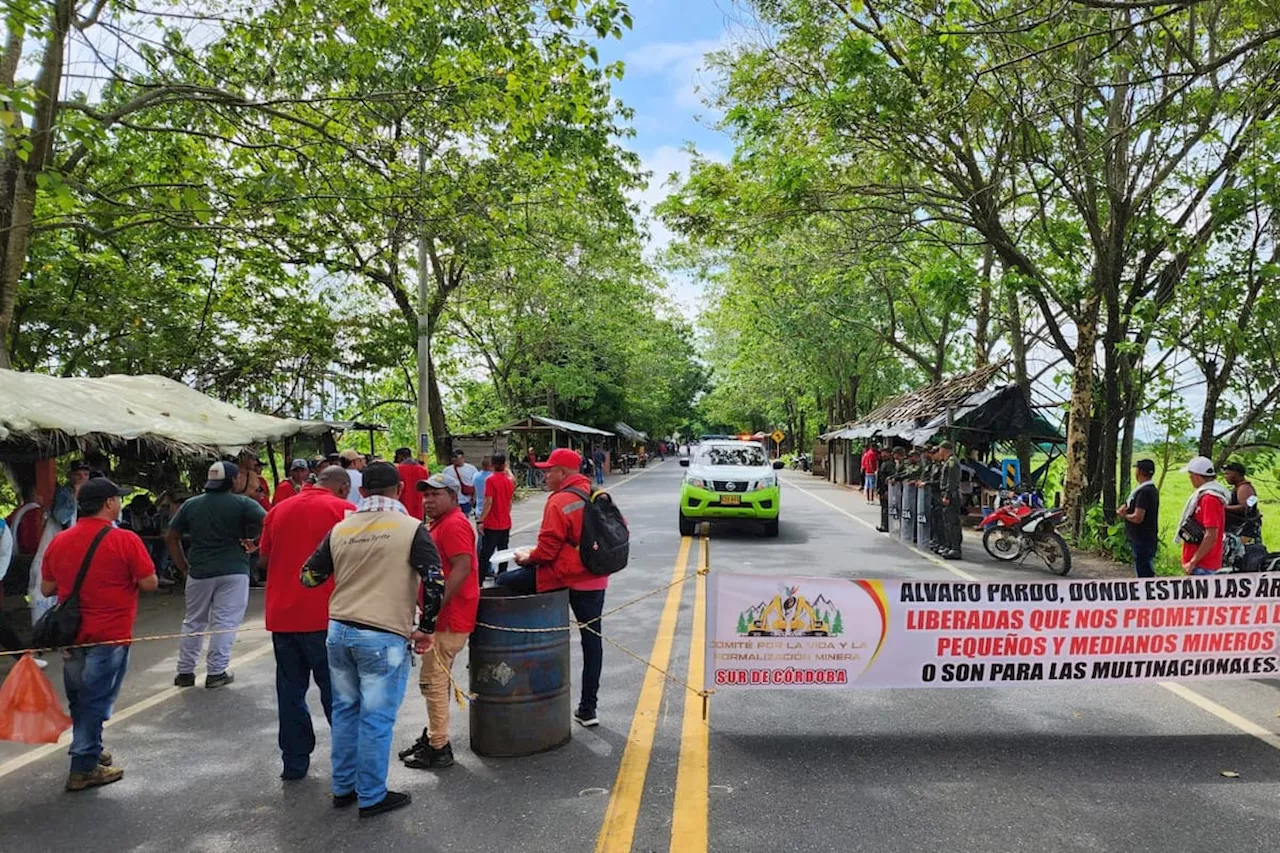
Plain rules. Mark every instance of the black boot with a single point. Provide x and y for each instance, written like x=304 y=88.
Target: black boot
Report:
x=419 y=744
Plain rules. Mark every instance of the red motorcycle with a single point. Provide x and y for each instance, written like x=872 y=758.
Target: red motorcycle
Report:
x=1014 y=529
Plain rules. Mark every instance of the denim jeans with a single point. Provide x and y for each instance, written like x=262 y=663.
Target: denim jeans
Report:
x=368 y=670
x=1204 y=571
x=599 y=474
x=300 y=657
x=92 y=679
x=1144 y=555
x=587 y=605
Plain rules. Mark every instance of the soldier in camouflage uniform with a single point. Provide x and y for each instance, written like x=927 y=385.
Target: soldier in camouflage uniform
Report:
x=950 y=491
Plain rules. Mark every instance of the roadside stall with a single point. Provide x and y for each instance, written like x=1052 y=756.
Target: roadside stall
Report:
x=540 y=435
x=978 y=411
x=144 y=431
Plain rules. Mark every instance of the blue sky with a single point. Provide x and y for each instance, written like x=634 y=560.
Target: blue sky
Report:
x=663 y=55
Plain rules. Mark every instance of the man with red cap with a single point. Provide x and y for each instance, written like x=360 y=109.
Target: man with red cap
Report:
x=554 y=564
x=298 y=616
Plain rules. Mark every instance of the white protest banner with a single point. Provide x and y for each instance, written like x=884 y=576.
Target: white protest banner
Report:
x=767 y=631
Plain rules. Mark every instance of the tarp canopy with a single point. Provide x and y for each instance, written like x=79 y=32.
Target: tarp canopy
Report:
x=54 y=414
x=630 y=434
x=538 y=422
x=965 y=407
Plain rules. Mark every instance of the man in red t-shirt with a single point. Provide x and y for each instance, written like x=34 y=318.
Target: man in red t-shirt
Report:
x=299 y=470
x=456 y=541
x=298 y=616
x=411 y=474
x=495 y=515
x=1207 y=505
x=120 y=566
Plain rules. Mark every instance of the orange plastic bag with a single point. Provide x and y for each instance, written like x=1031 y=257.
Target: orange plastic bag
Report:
x=29 y=709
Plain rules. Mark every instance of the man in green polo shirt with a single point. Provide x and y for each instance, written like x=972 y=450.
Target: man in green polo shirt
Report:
x=221 y=526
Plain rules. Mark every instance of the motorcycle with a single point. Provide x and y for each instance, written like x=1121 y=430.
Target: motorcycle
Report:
x=1239 y=555
x=1015 y=529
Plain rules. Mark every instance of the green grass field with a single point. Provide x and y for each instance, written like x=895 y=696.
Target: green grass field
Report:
x=1174 y=492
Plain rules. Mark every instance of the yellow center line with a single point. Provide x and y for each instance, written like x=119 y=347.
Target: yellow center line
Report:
x=689 y=814
x=619 y=827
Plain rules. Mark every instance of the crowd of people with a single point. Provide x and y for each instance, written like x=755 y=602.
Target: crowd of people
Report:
x=356 y=583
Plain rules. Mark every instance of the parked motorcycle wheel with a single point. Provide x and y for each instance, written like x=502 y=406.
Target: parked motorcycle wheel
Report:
x=1002 y=543
x=1055 y=552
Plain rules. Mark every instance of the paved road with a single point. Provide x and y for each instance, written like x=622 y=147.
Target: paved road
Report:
x=1014 y=769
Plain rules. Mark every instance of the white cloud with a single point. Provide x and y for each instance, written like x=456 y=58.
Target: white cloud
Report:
x=680 y=64
x=662 y=163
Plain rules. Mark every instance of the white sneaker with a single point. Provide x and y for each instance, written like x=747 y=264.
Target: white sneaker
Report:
x=586 y=720
x=42 y=663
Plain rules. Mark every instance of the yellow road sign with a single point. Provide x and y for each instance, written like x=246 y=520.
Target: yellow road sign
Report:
x=778 y=435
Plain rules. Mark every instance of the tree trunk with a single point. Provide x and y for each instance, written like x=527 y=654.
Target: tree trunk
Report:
x=20 y=178
x=1076 y=480
x=1018 y=342
x=1132 y=400
x=1112 y=417
x=1212 y=397
x=982 y=322
x=439 y=431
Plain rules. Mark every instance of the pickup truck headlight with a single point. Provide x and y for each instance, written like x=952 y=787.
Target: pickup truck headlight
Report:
x=766 y=483
x=696 y=482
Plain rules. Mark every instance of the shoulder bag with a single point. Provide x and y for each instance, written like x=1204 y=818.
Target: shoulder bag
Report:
x=60 y=624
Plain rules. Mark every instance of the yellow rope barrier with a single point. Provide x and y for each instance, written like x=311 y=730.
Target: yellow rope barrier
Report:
x=459 y=693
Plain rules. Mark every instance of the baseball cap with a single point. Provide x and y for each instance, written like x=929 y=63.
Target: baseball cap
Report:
x=1201 y=465
x=1146 y=466
x=380 y=475
x=947 y=445
x=561 y=457
x=298 y=463
x=99 y=488
x=78 y=465
x=221 y=474
x=351 y=455
x=1238 y=467
x=457 y=453
x=437 y=481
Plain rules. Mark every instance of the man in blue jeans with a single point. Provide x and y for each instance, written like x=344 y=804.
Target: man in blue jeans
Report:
x=598 y=459
x=378 y=557
x=116 y=566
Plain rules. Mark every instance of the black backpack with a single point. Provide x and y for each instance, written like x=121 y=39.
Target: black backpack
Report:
x=606 y=542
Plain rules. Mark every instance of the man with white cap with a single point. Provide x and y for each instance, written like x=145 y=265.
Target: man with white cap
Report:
x=1204 y=520
x=456 y=543
x=221 y=526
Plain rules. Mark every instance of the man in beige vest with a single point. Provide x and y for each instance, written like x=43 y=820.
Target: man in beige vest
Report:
x=378 y=557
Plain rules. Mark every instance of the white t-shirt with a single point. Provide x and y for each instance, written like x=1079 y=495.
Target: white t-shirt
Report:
x=357 y=480
x=468 y=472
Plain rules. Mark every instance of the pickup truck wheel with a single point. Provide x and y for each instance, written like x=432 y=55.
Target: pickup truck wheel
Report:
x=687 y=526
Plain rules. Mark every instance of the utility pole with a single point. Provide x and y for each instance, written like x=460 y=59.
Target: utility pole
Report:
x=424 y=339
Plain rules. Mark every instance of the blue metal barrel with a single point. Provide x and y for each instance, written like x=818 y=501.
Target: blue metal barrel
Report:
x=520 y=680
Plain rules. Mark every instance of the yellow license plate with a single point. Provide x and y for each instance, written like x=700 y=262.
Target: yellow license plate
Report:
x=730 y=500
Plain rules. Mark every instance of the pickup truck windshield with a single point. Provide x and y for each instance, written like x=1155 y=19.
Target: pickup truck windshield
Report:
x=746 y=456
